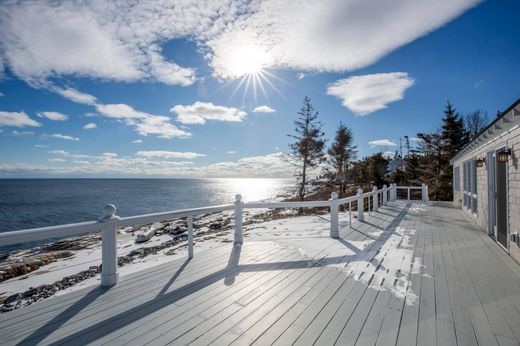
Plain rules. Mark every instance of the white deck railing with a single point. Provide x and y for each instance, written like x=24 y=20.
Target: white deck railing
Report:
x=110 y=222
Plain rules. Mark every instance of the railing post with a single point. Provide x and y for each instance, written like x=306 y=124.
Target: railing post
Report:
x=408 y=193
x=190 y=236
x=424 y=192
x=238 y=220
x=360 y=205
x=375 y=199
x=109 y=274
x=385 y=196
x=334 y=206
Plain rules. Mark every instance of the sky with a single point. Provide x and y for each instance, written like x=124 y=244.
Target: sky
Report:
x=211 y=89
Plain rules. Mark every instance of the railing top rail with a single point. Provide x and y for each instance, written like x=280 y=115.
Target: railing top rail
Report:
x=273 y=205
x=170 y=215
x=409 y=187
x=347 y=199
x=14 y=237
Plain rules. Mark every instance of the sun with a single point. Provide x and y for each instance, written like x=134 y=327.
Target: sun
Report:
x=246 y=59
x=243 y=60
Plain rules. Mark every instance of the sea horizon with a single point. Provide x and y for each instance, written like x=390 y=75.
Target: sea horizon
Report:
x=40 y=202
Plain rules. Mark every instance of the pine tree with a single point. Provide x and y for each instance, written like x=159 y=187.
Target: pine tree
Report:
x=454 y=137
x=307 y=149
x=341 y=153
x=453 y=134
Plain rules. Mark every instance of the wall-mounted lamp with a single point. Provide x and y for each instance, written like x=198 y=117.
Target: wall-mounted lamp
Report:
x=503 y=156
x=480 y=162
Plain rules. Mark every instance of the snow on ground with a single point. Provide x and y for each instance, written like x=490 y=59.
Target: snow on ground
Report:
x=393 y=249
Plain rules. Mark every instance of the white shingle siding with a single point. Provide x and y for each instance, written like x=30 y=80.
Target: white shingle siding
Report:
x=509 y=139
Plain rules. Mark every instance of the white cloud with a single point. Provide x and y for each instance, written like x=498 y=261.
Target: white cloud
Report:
x=59 y=152
x=264 y=109
x=75 y=95
x=138 y=141
x=60 y=136
x=122 y=41
x=333 y=35
x=119 y=111
x=40 y=146
x=109 y=154
x=56 y=116
x=382 y=142
x=270 y=165
x=369 y=93
x=17 y=119
x=1 y=94
x=169 y=154
x=300 y=75
x=200 y=112
x=57 y=159
x=479 y=84
x=96 y=39
x=388 y=154
x=22 y=133
x=90 y=126
x=231 y=152
x=144 y=123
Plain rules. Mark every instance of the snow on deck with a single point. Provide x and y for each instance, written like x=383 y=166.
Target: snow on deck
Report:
x=411 y=273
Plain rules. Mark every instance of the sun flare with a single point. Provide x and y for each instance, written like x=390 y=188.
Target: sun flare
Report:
x=247 y=59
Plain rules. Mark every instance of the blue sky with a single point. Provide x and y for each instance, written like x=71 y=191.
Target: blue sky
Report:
x=161 y=92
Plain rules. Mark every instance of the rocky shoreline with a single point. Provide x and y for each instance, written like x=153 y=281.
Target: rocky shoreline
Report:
x=19 y=263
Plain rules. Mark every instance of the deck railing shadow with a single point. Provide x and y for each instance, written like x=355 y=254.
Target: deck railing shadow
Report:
x=227 y=274
x=52 y=325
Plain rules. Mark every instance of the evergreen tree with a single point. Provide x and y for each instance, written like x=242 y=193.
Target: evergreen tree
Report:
x=436 y=168
x=341 y=153
x=377 y=165
x=307 y=149
x=453 y=132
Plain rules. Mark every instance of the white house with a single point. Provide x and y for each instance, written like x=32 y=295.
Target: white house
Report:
x=486 y=180
x=395 y=164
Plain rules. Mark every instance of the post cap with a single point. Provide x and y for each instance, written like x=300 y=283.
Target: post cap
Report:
x=374 y=188
x=109 y=210
x=238 y=197
x=334 y=195
x=384 y=186
x=359 y=190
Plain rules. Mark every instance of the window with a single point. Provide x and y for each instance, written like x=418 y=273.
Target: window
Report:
x=470 y=186
x=456 y=179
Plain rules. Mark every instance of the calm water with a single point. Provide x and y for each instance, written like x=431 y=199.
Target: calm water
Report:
x=30 y=203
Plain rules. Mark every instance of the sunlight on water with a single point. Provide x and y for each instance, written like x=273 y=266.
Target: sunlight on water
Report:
x=253 y=189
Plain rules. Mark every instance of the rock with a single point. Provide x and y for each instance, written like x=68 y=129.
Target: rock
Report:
x=215 y=225
x=76 y=243
x=148 y=233
x=31 y=263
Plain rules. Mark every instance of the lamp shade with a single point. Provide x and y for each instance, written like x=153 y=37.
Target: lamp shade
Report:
x=503 y=156
x=480 y=163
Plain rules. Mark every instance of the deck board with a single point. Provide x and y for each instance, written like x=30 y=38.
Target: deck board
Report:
x=427 y=276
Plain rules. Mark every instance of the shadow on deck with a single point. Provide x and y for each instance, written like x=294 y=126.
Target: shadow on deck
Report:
x=408 y=274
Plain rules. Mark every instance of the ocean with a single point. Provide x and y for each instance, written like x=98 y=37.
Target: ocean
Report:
x=31 y=203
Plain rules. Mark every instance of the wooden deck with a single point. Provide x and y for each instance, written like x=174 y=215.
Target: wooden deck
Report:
x=452 y=285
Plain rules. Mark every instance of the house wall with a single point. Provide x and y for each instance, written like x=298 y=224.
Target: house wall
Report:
x=510 y=139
